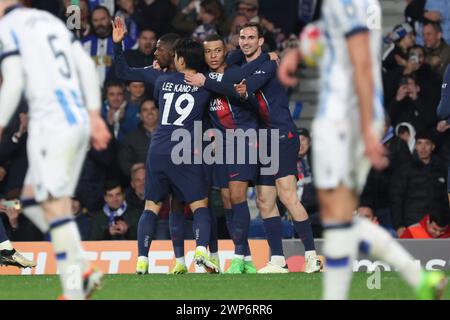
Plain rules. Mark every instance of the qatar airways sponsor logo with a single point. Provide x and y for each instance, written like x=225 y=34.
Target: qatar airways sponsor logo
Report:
x=216 y=105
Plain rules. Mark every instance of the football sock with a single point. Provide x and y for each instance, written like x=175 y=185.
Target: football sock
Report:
x=229 y=221
x=376 y=241
x=145 y=230
x=176 y=226
x=4 y=241
x=180 y=260
x=304 y=232
x=273 y=229
x=340 y=248
x=202 y=226
x=69 y=256
x=241 y=224
x=213 y=241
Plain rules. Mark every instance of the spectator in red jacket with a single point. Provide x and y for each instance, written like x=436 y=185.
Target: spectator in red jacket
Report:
x=430 y=227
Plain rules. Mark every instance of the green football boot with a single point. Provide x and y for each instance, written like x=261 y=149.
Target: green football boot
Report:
x=203 y=259
x=249 y=267
x=432 y=285
x=179 y=269
x=236 y=267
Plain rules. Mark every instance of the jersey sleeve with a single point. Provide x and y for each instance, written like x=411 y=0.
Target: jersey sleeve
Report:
x=9 y=43
x=235 y=74
x=124 y=72
x=262 y=76
x=443 y=110
x=349 y=17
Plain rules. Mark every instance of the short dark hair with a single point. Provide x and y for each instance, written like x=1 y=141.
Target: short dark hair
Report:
x=192 y=52
x=170 y=39
x=113 y=83
x=403 y=129
x=441 y=219
x=146 y=99
x=258 y=27
x=100 y=8
x=436 y=25
x=111 y=184
x=214 y=37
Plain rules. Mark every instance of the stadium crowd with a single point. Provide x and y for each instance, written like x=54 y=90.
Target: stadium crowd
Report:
x=410 y=198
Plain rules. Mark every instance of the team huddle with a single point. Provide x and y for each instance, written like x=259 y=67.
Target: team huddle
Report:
x=242 y=107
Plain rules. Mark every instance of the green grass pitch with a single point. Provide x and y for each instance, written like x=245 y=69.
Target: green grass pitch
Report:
x=293 y=286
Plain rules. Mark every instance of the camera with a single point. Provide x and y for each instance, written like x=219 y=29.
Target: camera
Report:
x=414 y=57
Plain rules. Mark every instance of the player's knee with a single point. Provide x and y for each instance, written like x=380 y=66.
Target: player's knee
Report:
x=237 y=197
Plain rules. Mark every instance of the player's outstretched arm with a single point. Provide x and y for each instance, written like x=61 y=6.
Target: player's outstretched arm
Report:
x=359 y=51
x=12 y=87
x=123 y=70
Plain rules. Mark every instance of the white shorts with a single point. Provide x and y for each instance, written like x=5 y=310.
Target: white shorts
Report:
x=55 y=156
x=338 y=154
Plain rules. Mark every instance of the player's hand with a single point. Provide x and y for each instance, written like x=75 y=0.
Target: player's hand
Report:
x=156 y=65
x=100 y=134
x=375 y=151
x=196 y=80
x=118 y=30
x=288 y=67
x=241 y=89
x=274 y=57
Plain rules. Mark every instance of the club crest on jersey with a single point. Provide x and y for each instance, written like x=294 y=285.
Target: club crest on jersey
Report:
x=215 y=76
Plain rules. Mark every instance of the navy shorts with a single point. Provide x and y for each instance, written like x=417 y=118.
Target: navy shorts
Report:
x=288 y=156
x=187 y=182
x=226 y=172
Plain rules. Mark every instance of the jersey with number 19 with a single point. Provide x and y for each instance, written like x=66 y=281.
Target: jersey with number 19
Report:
x=58 y=126
x=181 y=105
x=338 y=148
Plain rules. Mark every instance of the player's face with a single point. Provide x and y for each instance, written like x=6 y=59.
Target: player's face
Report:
x=147 y=42
x=424 y=148
x=101 y=22
x=215 y=53
x=149 y=114
x=114 y=198
x=163 y=54
x=249 y=42
x=115 y=97
x=138 y=182
x=136 y=89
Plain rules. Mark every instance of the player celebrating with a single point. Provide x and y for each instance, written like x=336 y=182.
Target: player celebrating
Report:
x=181 y=106
x=35 y=44
x=343 y=150
x=272 y=105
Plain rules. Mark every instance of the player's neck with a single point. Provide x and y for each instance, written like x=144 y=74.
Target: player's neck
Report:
x=254 y=56
x=188 y=71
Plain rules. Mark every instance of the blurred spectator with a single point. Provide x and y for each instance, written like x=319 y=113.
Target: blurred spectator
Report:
x=117 y=221
x=407 y=133
x=98 y=167
x=13 y=153
x=437 y=51
x=82 y=218
x=135 y=145
x=135 y=198
x=418 y=188
x=402 y=38
x=305 y=185
x=414 y=15
x=209 y=13
x=99 y=44
x=439 y=11
x=368 y=213
x=157 y=15
x=134 y=94
x=409 y=106
x=250 y=8
x=430 y=227
x=108 y=4
x=17 y=225
x=232 y=40
x=131 y=16
x=121 y=116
